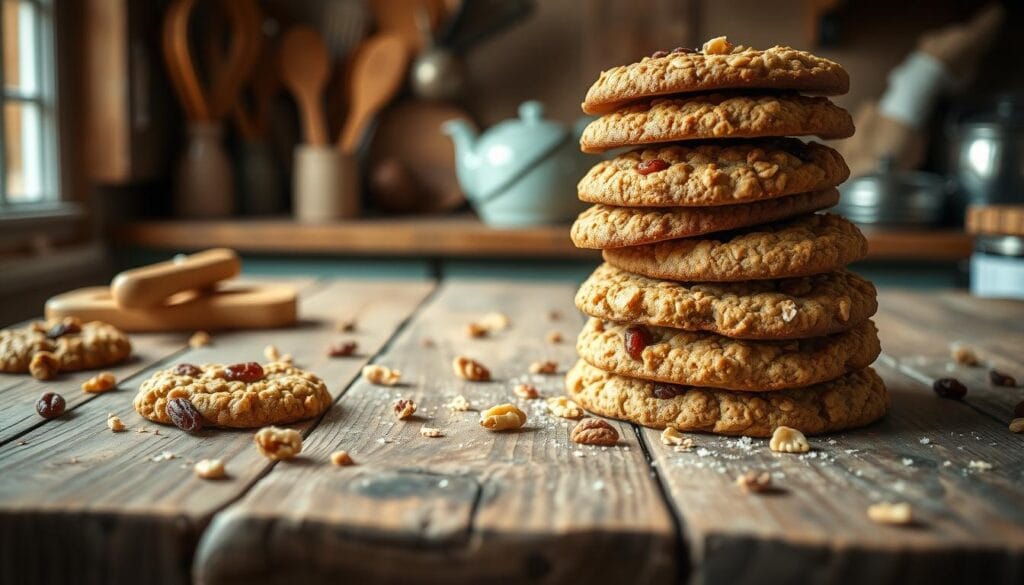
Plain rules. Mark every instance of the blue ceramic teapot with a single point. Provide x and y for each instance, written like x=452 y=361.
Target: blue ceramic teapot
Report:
x=522 y=171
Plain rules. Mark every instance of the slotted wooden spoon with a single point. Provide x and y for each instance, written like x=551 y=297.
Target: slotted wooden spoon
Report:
x=305 y=67
x=377 y=73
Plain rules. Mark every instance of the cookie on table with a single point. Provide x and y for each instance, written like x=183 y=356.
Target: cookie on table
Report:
x=713 y=173
x=792 y=308
x=606 y=226
x=76 y=345
x=280 y=394
x=717 y=115
x=809 y=244
x=706 y=359
x=717 y=65
x=851 y=401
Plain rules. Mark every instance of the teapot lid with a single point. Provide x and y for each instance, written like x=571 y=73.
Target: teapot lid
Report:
x=513 y=147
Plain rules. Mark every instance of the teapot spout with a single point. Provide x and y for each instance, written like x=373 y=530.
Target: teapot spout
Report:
x=467 y=162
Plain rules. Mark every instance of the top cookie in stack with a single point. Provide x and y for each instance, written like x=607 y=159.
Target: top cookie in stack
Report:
x=724 y=304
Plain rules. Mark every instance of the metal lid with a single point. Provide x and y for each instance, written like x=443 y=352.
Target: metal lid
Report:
x=1004 y=111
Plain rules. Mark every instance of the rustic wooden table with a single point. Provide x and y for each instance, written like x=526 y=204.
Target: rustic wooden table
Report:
x=81 y=504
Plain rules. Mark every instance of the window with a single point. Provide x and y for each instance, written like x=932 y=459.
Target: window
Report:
x=29 y=177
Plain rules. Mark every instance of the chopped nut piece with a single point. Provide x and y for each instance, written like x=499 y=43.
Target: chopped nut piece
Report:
x=346 y=325
x=717 y=46
x=527 y=391
x=403 y=408
x=886 y=513
x=753 y=482
x=788 y=311
x=844 y=309
x=565 y=408
x=502 y=417
x=431 y=432
x=594 y=431
x=788 y=440
x=114 y=423
x=199 y=339
x=1000 y=379
x=276 y=443
x=495 y=321
x=555 y=336
x=341 y=458
x=44 y=366
x=271 y=353
x=100 y=383
x=1017 y=425
x=343 y=349
x=476 y=330
x=547 y=367
x=963 y=354
x=672 y=436
x=459 y=403
x=380 y=375
x=469 y=369
x=209 y=469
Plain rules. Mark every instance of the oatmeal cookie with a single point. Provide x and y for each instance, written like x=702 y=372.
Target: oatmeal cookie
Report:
x=711 y=173
x=605 y=226
x=733 y=68
x=809 y=244
x=283 y=395
x=792 y=308
x=706 y=359
x=717 y=116
x=76 y=345
x=853 y=400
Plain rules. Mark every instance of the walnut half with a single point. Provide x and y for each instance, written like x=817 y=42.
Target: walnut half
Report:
x=470 y=369
x=594 y=431
x=502 y=417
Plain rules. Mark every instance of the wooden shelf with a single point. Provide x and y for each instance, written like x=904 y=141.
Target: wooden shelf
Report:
x=461 y=236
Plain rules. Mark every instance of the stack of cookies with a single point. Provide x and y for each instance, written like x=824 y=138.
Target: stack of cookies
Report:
x=723 y=304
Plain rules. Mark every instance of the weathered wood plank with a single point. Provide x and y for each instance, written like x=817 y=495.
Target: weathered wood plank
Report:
x=111 y=513
x=471 y=507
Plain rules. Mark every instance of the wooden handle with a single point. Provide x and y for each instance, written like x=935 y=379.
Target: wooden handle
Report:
x=151 y=286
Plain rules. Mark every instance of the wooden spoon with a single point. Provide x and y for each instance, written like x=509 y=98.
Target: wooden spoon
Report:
x=304 y=69
x=377 y=73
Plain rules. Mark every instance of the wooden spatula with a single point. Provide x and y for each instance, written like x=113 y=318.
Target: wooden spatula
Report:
x=377 y=73
x=305 y=68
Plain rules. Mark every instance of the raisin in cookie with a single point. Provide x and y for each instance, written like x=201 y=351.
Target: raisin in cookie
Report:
x=810 y=244
x=606 y=226
x=851 y=401
x=719 y=65
x=76 y=345
x=713 y=173
x=276 y=393
x=715 y=361
x=717 y=116
x=792 y=308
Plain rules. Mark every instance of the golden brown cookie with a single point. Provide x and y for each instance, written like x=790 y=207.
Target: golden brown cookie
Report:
x=853 y=400
x=282 y=394
x=606 y=226
x=717 y=115
x=806 y=306
x=719 y=65
x=810 y=244
x=713 y=173
x=715 y=361
x=76 y=345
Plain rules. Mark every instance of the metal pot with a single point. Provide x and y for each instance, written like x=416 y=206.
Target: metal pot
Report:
x=987 y=152
x=894 y=198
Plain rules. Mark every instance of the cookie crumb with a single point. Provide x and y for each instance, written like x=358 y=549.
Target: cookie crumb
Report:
x=114 y=423
x=897 y=514
x=565 y=408
x=554 y=315
x=753 y=482
x=470 y=369
x=100 y=383
x=341 y=458
x=347 y=325
x=963 y=354
x=788 y=440
x=403 y=408
x=199 y=339
x=210 y=469
x=1000 y=379
x=671 y=436
x=381 y=375
x=546 y=367
x=594 y=431
x=1017 y=425
x=502 y=417
x=459 y=404
x=979 y=465
x=44 y=366
x=554 y=336
x=476 y=330
x=495 y=321
x=278 y=444
x=431 y=432
x=526 y=391
x=342 y=349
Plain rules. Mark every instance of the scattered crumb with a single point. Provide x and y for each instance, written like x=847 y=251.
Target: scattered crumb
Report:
x=476 y=330
x=546 y=367
x=431 y=432
x=908 y=462
x=526 y=391
x=495 y=321
x=459 y=403
x=897 y=514
x=163 y=456
x=554 y=336
x=554 y=315
x=754 y=482
x=347 y=325
x=924 y=441
x=342 y=349
x=672 y=436
x=341 y=458
x=979 y=465
x=579 y=454
x=380 y=375
x=963 y=354
x=114 y=423
x=210 y=469
x=403 y=408
x=199 y=339
x=101 y=382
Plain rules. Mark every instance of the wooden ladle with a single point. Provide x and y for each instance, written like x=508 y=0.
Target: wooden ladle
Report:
x=377 y=73
x=305 y=67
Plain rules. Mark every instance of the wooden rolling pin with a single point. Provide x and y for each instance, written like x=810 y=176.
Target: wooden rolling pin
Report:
x=151 y=286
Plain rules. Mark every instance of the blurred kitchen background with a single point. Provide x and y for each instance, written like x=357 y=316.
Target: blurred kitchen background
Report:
x=306 y=134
